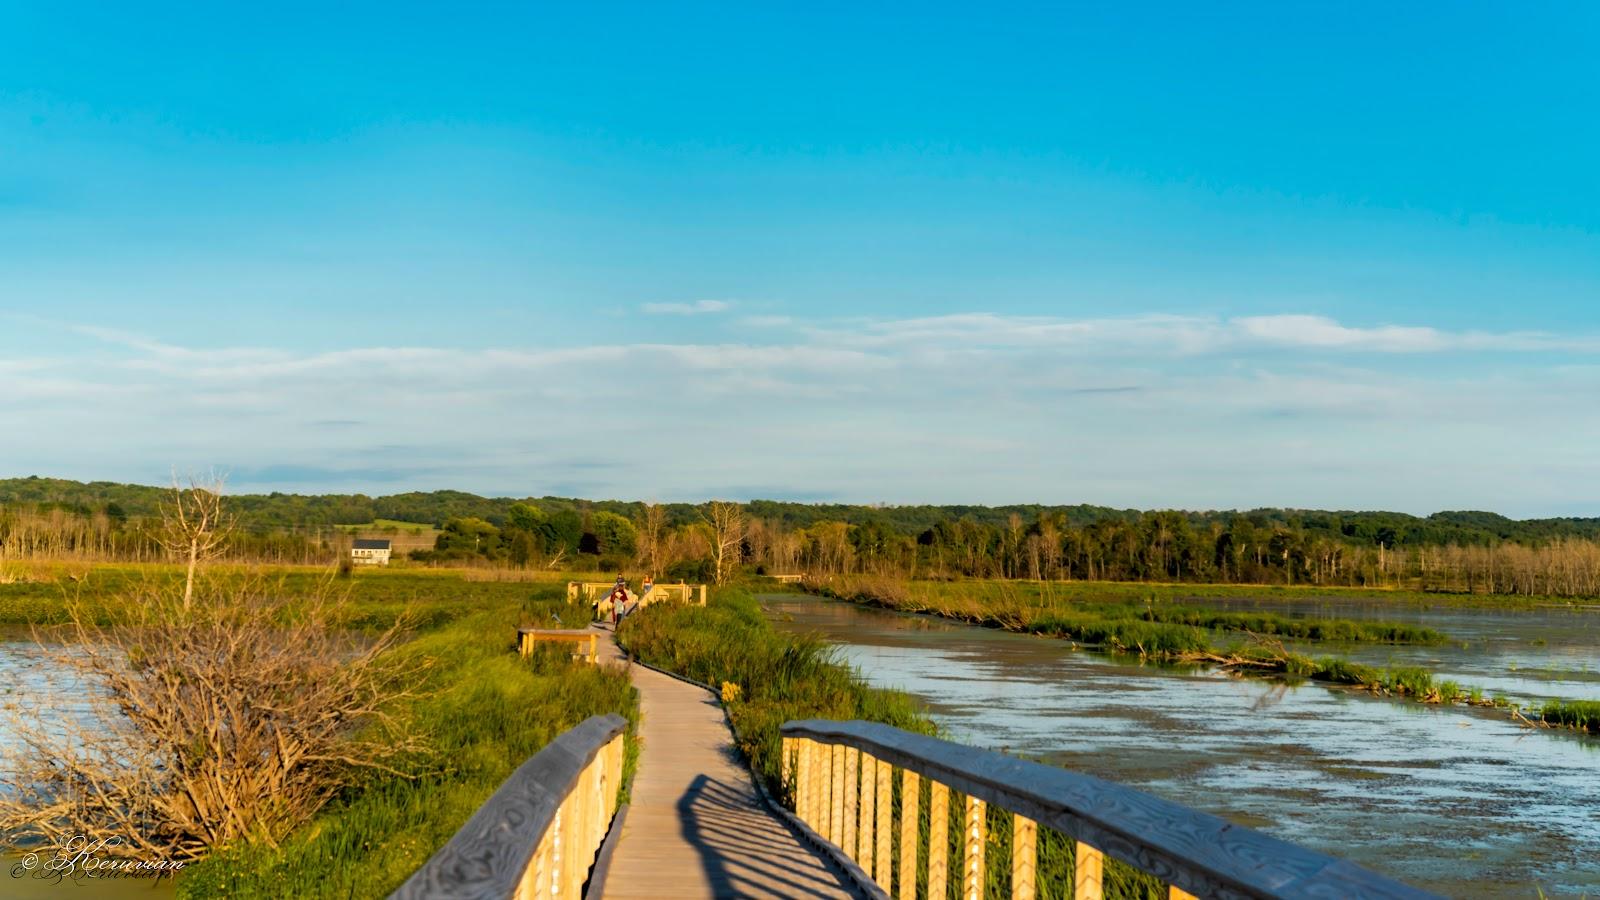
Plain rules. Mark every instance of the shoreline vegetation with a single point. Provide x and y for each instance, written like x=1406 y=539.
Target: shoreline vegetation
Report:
x=1182 y=634
x=477 y=708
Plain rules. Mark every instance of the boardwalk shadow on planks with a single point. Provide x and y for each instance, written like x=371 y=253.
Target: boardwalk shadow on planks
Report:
x=716 y=820
x=696 y=825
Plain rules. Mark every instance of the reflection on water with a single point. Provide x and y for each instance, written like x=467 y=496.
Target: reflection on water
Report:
x=29 y=678
x=1460 y=802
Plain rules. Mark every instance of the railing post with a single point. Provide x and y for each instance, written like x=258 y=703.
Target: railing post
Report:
x=1024 y=857
x=938 y=839
x=562 y=868
x=852 y=769
x=865 y=843
x=598 y=820
x=571 y=838
x=819 y=786
x=786 y=767
x=836 y=797
x=885 y=829
x=976 y=835
x=802 y=781
x=1087 y=868
x=619 y=752
x=910 y=789
x=536 y=879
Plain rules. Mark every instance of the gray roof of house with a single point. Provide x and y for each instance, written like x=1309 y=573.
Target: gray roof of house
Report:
x=371 y=544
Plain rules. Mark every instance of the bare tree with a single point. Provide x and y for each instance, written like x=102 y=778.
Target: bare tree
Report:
x=194 y=526
x=652 y=532
x=727 y=523
x=233 y=708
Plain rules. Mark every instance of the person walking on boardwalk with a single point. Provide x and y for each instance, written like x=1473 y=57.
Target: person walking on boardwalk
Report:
x=619 y=596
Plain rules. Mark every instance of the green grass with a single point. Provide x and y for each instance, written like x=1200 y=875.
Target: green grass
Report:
x=1149 y=626
x=1273 y=625
x=483 y=710
x=394 y=525
x=491 y=711
x=1581 y=715
x=376 y=595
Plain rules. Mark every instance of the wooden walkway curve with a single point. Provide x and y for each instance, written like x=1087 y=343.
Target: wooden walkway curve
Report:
x=695 y=825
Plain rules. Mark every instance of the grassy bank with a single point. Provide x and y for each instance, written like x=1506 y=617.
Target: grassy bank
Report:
x=1106 y=616
x=1192 y=593
x=1187 y=634
x=482 y=709
x=41 y=594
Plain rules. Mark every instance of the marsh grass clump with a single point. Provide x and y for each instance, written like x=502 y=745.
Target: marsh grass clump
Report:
x=1581 y=715
x=1342 y=671
x=1120 y=636
x=1048 y=609
x=1276 y=626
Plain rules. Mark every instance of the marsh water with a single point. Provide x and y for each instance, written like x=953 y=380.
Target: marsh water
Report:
x=27 y=676
x=1463 y=802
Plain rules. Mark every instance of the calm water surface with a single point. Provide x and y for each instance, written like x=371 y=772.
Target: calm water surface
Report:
x=1461 y=802
x=26 y=674
x=1529 y=655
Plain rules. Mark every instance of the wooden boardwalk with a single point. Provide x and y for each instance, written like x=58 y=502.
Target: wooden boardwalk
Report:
x=695 y=826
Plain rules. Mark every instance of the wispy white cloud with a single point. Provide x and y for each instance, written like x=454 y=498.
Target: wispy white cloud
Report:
x=1188 y=335
x=1148 y=410
x=698 y=307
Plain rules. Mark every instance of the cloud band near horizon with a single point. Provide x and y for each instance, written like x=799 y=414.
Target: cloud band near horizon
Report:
x=1156 y=411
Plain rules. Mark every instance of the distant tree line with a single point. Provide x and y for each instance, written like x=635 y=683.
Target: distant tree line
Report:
x=1450 y=551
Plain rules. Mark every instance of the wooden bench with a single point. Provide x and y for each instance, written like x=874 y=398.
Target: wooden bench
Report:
x=588 y=646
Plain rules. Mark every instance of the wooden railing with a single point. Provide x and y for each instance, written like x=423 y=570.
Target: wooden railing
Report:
x=883 y=799
x=538 y=835
x=592 y=591
x=588 y=590
x=682 y=593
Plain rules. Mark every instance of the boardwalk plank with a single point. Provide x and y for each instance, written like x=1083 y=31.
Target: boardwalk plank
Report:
x=695 y=825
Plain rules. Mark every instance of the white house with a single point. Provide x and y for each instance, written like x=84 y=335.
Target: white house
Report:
x=370 y=552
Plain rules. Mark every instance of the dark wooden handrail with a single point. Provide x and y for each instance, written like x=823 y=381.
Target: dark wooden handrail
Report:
x=1196 y=853
x=508 y=842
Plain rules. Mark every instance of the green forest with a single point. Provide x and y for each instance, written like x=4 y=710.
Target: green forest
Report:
x=1465 y=551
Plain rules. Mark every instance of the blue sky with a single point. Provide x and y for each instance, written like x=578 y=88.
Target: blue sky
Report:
x=1337 y=255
